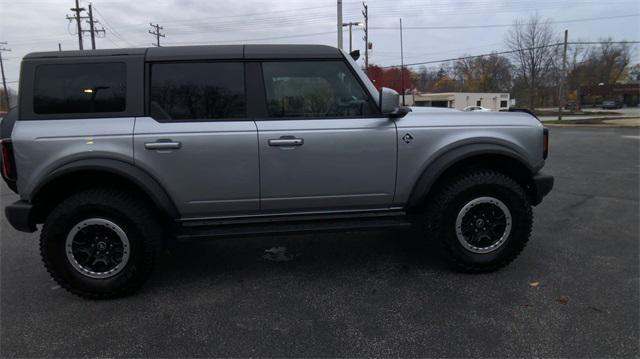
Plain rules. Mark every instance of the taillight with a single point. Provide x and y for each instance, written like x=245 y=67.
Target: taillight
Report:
x=8 y=162
x=545 y=143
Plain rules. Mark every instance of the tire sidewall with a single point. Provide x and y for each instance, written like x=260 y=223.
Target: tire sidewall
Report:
x=60 y=223
x=520 y=213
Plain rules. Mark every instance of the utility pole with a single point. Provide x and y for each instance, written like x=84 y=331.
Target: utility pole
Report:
x=365 y=14
x=340 y=24
x=4 y=79
x=561 y=95
x=401 y=63
x=156 y=33
x=92 y=30
x=78 y=19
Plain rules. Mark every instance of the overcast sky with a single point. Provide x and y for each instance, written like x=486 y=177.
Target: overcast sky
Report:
x=39 y=25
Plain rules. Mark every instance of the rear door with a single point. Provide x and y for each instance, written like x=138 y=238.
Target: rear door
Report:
x=323 y=145
x=198 y=142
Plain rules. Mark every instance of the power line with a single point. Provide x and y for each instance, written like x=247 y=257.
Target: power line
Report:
x=512 y=51
x=263 y=13
x=156 y=33
x=499 y=25
x=112 y=30
x=254 y=39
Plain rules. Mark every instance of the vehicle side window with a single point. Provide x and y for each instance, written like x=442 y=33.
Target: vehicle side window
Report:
x=198 y=90
x=80 y=88
x=314 y=89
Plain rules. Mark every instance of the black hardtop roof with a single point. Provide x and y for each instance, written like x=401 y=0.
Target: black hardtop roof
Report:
x=203 y=52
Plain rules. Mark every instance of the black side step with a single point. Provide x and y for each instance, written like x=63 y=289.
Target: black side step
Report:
x=290 y=227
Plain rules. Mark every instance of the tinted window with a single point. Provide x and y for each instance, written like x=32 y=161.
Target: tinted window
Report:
x=313 y=89
x=80 y=88
x=187 y=91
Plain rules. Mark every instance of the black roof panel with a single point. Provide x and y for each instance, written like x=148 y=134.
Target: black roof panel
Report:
x=78 y=53
x=194 y=52
x=290 y=51
x=205 y=52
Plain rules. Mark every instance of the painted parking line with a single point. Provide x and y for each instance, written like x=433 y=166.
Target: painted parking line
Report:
x=632 y=137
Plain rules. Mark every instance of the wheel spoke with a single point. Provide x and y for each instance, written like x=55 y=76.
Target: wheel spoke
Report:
x=483 y=224
x=97 y=248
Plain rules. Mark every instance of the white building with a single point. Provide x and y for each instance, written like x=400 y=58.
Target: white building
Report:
x=460 y=100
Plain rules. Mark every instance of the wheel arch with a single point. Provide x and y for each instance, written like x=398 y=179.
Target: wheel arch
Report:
x=478 y=155
x=86 y=173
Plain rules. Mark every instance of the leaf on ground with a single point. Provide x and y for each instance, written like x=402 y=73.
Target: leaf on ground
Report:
x=563 y=299
x=534 y=284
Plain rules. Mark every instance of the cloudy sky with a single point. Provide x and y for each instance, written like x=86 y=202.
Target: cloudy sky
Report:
x=432 y=26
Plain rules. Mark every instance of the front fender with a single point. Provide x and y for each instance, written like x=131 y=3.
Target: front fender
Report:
x=449 y=157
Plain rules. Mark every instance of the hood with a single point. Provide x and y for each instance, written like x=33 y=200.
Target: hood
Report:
x=450 y=117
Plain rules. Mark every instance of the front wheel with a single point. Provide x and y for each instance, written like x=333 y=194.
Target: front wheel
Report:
x=101 y=243
x=483 y=218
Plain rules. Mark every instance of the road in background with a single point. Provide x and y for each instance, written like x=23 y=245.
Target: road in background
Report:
x=593 y=113
x=363 y=294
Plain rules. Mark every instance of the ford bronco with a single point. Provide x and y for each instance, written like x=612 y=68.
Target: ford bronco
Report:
x=114 y=152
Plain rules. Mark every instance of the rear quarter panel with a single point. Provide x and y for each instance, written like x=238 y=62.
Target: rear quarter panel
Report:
x=41 y=146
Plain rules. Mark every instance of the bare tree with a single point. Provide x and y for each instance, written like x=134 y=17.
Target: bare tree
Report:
x=607 y=62
x=533 y=41
x=484 y=74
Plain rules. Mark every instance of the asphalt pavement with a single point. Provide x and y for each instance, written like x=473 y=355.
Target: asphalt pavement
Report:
x=574 y=291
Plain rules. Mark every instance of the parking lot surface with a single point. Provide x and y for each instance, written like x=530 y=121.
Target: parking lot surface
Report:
x=574 y=291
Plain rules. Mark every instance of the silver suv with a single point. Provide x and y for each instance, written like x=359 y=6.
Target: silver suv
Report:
x=115 y=152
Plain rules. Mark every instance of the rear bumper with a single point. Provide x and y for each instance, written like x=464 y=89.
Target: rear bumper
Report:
x=543 y=183
x=20 y=216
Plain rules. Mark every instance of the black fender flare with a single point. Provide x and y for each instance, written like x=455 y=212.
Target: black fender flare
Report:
x=128 y=171
x=444 y=161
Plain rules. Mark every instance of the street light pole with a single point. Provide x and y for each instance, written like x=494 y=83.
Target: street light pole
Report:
x=351 y=24
x=350 y=38
x=339 y=23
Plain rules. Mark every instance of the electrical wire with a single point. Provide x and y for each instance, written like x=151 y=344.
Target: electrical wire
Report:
x=497 y=25
x=512 y=52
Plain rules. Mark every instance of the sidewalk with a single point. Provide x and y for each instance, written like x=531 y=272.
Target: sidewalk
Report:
x=596 y=122
x=623 y=114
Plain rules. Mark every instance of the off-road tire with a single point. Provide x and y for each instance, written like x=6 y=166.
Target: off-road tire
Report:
x=450 y=198
x=133 y=215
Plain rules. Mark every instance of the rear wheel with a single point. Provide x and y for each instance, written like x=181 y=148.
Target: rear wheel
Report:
x=483 y=218
x=101 y=243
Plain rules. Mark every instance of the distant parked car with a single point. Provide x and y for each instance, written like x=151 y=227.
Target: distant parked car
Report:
x=571 y=106
x=476 y=109
x=611 y=104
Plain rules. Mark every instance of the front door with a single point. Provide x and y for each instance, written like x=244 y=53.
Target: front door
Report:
x=323 y=146
x=198 y=142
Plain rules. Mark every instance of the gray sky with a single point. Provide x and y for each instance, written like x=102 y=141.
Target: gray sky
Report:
x=39 y=25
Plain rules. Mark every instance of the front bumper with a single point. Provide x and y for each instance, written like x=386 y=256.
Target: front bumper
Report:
x=542 y=183
x=20 y=216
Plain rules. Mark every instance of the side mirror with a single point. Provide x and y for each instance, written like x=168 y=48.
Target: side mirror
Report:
x=390 y=103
